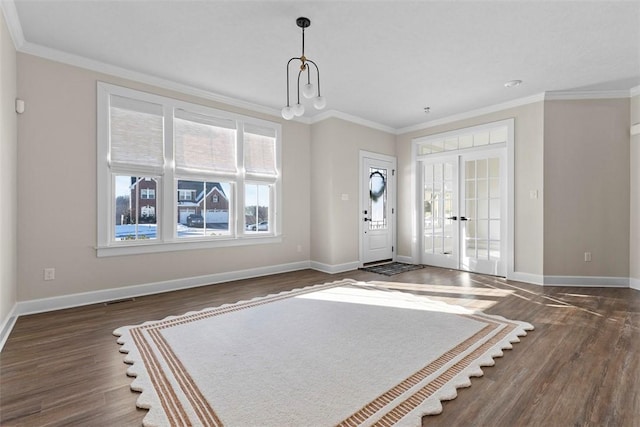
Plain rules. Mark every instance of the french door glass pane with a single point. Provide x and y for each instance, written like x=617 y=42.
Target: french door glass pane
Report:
x=483 y=207
x=439 y=207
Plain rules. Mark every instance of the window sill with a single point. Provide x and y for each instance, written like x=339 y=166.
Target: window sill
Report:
x=173 y=246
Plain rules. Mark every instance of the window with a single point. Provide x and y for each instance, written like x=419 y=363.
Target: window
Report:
x=451 y=142
x=178 y=176
x=148 y=193
x=256 y=207
x=185 y=195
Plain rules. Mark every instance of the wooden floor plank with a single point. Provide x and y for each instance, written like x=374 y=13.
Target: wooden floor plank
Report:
x=580 y=367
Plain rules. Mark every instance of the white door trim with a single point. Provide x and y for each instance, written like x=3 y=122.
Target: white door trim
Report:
x=416 y=244
x=391 y=185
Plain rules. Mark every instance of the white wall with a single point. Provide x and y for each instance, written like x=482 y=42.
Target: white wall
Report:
x=57 y=193
x=634 y=232
x=8 y=176
x=528 y=213
x=586 y=177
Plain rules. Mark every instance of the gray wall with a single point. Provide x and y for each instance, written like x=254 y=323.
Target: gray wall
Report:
x=335 y=150
x=586 y=179
x=57 y=187
x=8 y=174
x=634 y=232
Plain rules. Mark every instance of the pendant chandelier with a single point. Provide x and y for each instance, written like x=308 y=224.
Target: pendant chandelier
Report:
x=308 y=90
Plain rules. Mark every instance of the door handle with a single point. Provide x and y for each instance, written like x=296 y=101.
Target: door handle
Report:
x=455 y=218
x=366 y=219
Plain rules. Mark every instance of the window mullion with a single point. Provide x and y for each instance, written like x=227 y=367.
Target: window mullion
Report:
x=239 y=200
x=168 y=190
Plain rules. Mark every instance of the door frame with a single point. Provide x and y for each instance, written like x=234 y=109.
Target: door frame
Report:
x=391 y=199
x=415 y=188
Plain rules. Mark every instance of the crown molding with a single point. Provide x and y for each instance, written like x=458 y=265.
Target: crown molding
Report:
x=112 y=70
x=473 y=113
x=15 y=29
x=13 y=22
x=587 y=94
x=353 y=119
x=635 y=91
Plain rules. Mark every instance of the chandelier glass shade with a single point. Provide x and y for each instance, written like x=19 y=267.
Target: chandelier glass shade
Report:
x=305 y=72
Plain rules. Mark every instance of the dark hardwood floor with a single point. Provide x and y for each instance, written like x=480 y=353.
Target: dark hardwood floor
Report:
x=579 y=367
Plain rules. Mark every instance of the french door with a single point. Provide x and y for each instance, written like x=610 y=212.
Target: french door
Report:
x=464 y=211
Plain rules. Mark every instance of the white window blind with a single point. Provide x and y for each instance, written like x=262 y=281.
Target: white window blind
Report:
x=259 y=150
x=136 y=129
x=145 y=137
x=204 y=143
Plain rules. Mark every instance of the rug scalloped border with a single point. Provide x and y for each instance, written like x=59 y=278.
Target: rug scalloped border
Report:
x=448 y=373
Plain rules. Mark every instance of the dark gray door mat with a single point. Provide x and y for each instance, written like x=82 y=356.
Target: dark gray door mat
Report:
x=392 y=268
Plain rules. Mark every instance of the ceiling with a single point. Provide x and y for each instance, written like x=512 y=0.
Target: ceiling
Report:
x=381 y=61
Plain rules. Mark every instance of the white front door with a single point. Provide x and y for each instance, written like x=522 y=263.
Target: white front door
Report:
x=377 y=208
x=464 y=211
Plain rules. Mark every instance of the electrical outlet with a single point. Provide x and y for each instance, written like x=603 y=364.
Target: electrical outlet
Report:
x=587 y=257
x=49 y=274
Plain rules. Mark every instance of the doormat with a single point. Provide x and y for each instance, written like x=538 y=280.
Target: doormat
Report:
x=392 y=268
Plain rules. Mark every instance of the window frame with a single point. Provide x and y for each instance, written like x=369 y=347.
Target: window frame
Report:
x=146 y=193
x=167 y=239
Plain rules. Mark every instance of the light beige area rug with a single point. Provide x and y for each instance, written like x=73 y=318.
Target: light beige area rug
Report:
x=343 y=353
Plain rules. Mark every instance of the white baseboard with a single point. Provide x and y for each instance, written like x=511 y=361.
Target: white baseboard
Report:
x=85 y=298
x=7 y=325
x=406 y=259
x=534 y=279
x=334 y=268
x=587 y=281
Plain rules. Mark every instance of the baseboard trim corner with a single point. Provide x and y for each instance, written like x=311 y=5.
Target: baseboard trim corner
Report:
x=406 y=259
x=334 y=268
x=534 y=279
x=7 y=325
x=634 y=283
